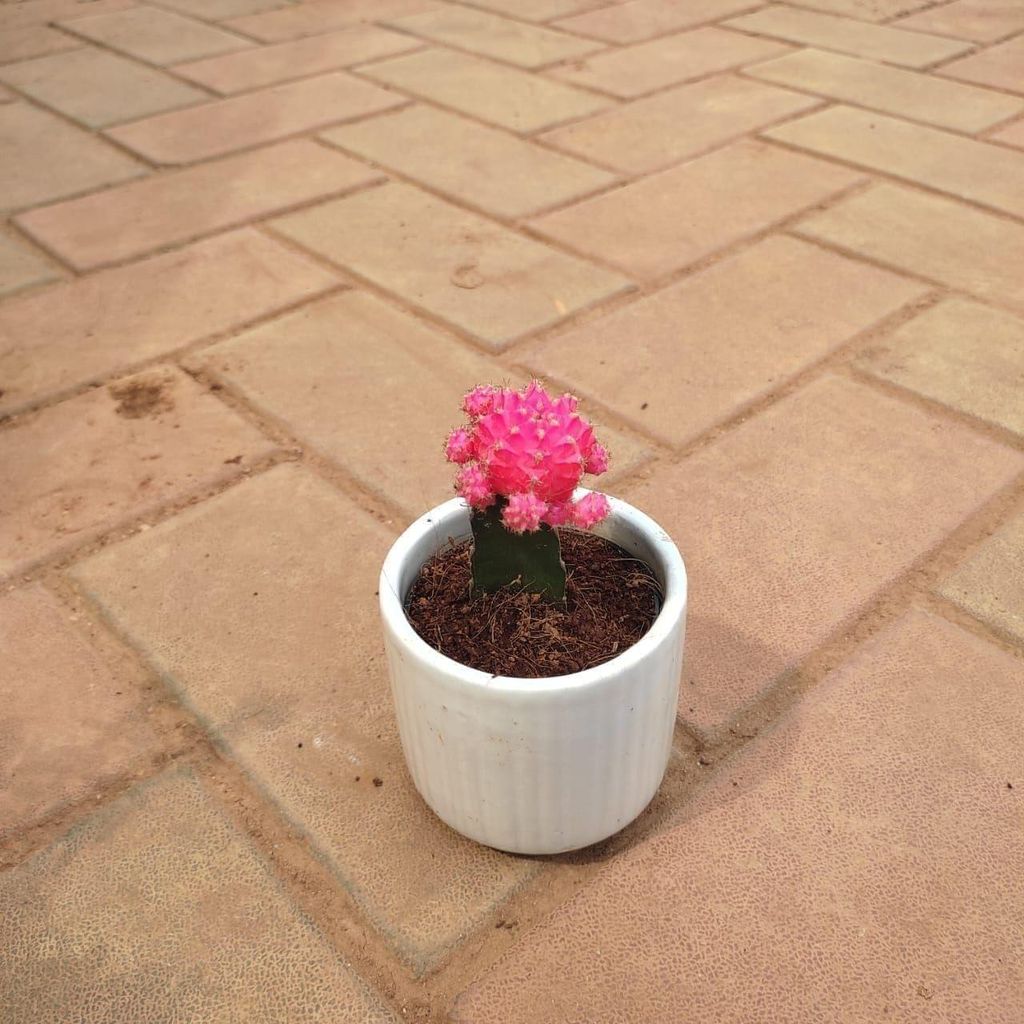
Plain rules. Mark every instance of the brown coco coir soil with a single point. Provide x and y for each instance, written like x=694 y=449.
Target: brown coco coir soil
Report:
x=612 y=599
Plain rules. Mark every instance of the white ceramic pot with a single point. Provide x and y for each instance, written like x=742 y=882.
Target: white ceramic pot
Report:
x=536 y=765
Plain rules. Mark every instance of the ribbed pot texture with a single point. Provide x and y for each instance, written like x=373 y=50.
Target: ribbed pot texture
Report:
x=536 y=765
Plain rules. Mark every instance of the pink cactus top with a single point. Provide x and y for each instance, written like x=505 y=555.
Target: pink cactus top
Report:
x=531 y=449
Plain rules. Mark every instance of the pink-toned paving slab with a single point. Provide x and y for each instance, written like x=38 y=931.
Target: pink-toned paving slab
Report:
x=984 y=21
x=528 y=46
x=652 y=133
x=21 y=266
x=451 y=263
x=631 y=71
x=891 y=90
x=848 y=35
x=81 y=331
x=659 y=224
x=98 y=88
x=45 y=158
x=113 y=454
x=268 y=65
x=178 y=207
x=240 y=122
x=927 y=235
x=27 y=41
x=501 y=95
x=1013 y=135
x=71 y=722
x=636 y=20
x=868 y=10
x=307 y=19
x=792 y=522
x=999 y=66
x=159 y=905
x=860 y=862
x=470 y=162
x=989 y=585
x=966 y=168
x=156 y=35
x=676 y=363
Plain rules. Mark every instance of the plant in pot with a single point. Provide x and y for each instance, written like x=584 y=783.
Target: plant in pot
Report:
x=534 y=633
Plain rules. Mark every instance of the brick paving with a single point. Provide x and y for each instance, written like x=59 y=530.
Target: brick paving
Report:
x=252 y=253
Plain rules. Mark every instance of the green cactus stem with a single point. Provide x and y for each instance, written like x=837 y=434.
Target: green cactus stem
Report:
x=531 y=561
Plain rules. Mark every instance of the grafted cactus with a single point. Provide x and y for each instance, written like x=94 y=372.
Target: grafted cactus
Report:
x=521 y=456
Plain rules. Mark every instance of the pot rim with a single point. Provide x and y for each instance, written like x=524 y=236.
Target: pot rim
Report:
x=431 y=526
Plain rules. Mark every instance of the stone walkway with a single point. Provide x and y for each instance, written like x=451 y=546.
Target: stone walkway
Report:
x=254 y=251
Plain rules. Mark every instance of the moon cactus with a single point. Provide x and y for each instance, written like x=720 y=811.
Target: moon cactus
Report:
x=521 y=457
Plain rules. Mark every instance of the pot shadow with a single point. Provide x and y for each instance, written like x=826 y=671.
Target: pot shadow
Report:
x=691 y=788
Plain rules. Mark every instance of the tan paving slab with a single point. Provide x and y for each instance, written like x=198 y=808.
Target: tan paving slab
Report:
x=307 y=19
x=631 y=71
x=46 y=158
x=483 y=89
x=907 y=94
x=71 y=720
x=173 y=208
x=984 y=21
x=641 y=19
x=989 y=584
x=652 y=133
x=113 y=454
x=536 y=10
x=155 y=35
x=473 y=164
x=866 y=10
x=792 y=522
x=861 y=862
x=99 y=88
x=490 y=35
x=676 y=363
x=239 y=122
x=268 y=65
x=289 y=592
x=20 y=266
x=966 y=168
x=219 y=10
x=665 y=222
x=928 y=235
x=82 y=330
x=481 y=277
x=25 y=13
x=1012 y=136
x=158 y=908
x=1001 y=67
x=27 y=41
x=848 y=35
x=960 y=353
x=309 y=369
